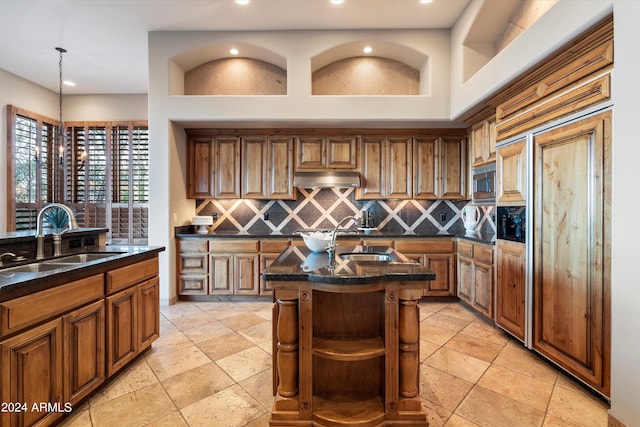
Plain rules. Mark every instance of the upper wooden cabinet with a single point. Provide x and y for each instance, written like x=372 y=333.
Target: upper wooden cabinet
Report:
x=213 y=168
x=267 y=168
x=419 y=167
x=483 y=142
x=511 y=166
x=333 y=152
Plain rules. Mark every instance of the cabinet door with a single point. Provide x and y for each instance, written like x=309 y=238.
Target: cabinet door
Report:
x=227 y=168
x=254 y=167
x=280 y=169
x=465 y=279
x=444 y=267
x=192 y=273
x=426 y=168
x=483 y=288
x=510 y=287
x=511 y=165
x=341 y=152
x=311 y=153
x=478 y=144
x=399 y=168
x=453 y=168
x=246 y=274
x=221 y=274
x=84 y=350
x=571 y=282
x=200 y=181
x=265 y=261
x=491 y=139
x=122 y=329
x=372 y=168
x=31 y=364
x=148 y=312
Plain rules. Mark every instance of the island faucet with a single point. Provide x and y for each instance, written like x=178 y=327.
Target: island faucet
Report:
x=57 y=239
x=332 y=244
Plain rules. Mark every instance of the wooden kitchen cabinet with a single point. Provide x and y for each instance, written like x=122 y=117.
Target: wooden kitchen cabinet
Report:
x=372 y=169
x=511 y=167
x=213 y=167
x=269 y=251
x=571 y=247
x=453 y=159
x=438 y=255
x=331 y=152
x=510 y=287
x=475 y=275
x=84 y=351
x=483 y=142
x=399 y=159
x=267 y=168
x=31 y=364
x=439 y=168
x=234 y=267
x=192 y=266
x=122 y=329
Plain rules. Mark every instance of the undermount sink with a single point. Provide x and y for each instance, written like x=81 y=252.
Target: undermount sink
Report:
x=35 y=267
x=80 y=258
x=368 y=257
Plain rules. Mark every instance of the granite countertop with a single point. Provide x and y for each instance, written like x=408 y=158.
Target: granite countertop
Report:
x=14 y=284
x=185 y=232
x=30 y=235
x=298 y=263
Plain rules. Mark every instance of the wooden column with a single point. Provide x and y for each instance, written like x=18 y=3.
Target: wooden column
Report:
x=287 y=359
x=409 y=345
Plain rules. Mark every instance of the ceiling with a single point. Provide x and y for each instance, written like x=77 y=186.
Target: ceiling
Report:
x=106 y=40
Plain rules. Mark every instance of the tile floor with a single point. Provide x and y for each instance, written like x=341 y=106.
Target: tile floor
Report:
x=211 y=366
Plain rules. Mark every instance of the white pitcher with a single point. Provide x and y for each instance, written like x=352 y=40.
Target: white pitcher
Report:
x=470 y=217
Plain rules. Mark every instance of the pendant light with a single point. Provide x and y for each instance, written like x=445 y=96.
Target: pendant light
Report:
x=61 y=131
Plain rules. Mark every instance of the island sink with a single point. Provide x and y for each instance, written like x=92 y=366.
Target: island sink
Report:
x=368 y=257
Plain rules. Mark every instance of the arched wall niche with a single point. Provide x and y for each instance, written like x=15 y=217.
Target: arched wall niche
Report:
x=200 y=71
x=391 y=69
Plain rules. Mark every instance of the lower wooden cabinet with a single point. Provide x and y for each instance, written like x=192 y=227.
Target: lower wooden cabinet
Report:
x=510 y=287
x=122 y=311
x=475 y=275
x=439 y=256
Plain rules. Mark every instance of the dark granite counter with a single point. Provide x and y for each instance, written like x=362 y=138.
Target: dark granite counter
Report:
x=14 y=284
x=298 y=263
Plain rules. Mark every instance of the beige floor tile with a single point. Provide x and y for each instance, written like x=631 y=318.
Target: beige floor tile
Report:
x=191 y=320
x=166 y=327
x=245 y=363
x=517 y=386
x=441 y=388
x=489 y=409
x=433 y=306
x=435 y=334
x=173 y=419
x=483 y=331
x=578 y=407
x=458 y=421
x=242 y=321
x=137 y=376
x=225 y=345
x=134 y=409
x=196 y=384
x=266 y=346
x=78 y=418
x=460 y=311
x=207 y=331
x=262 y=421
x=230 y=407
x=459 y=364
x=427 y=349
x=553 y=421
x=477 y=348
x=266 y=313
x=260 y=388
x=179 y=309
x=445 y=322
x=437 y=416
x=166 y=365
x=257 y=333
x=168 y=343
x=520 y=359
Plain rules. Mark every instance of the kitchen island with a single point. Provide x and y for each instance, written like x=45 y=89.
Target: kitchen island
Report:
x=346 y=337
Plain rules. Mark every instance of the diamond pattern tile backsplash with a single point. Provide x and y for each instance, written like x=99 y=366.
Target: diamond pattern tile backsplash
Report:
x=323 y=208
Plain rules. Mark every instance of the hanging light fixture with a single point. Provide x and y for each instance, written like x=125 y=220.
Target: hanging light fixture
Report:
x=61 y=130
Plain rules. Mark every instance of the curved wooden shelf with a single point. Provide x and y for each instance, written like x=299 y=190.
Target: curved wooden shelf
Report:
x=342 y=411
x=348 y=349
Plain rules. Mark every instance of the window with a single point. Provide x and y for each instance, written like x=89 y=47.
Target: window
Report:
x=102 y=173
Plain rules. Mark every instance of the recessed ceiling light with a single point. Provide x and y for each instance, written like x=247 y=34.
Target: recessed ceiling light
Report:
x=233 y=51
x=337 y=1
x=242 y=1
x=367 y=49
x=425 y=1
x=68 y=83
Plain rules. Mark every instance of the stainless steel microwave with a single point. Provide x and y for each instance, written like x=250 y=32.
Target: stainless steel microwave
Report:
x=484 y=184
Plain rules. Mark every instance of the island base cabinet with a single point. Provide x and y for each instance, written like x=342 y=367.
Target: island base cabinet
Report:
x=122 y=333
x=31 y=364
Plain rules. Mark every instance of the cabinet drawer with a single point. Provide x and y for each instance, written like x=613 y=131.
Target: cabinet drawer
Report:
x=273 y=245
x=234 y=245
x=483 y=254
x=123 y=277
x=192 y=245
x=465 y=249
x=21 y=312
x=425 y=246
x=372 y=241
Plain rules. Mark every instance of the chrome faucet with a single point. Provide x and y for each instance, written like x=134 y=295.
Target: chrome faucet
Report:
x=6 y=254
x=332 y=244
x=57 y=239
